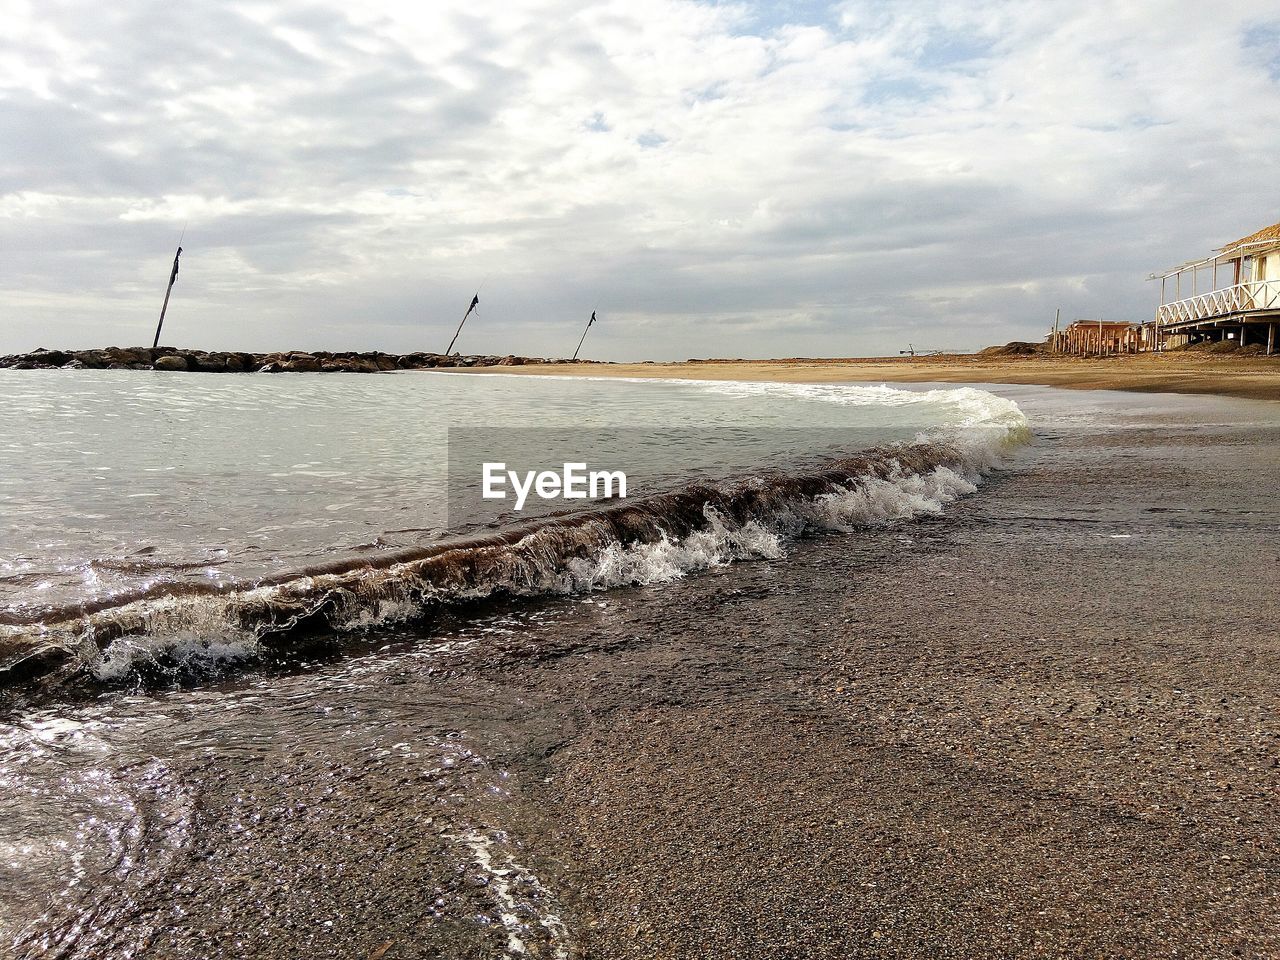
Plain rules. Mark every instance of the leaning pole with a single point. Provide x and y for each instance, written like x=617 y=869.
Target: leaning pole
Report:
x=475 y=302
x=584 y=334
x=173 y=275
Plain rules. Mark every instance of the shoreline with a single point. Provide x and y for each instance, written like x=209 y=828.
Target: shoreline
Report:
x=1254 y=378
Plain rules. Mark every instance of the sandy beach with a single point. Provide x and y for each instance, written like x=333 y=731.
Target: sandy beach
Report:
x=1255 y=377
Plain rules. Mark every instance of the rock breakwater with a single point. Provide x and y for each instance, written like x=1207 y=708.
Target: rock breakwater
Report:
x=220 y=361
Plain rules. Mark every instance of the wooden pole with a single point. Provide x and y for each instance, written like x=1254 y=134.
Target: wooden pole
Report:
x=173 y=275
x=1057 y=335
x=475 y=301
x=1271 y=338
x=584 y=334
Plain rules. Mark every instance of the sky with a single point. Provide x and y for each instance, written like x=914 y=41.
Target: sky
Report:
x=714 y=179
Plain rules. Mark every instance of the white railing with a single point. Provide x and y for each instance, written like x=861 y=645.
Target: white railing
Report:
x=1242 y=298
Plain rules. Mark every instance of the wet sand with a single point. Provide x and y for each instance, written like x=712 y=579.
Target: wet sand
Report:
x=1180 y=372
x=1044 y=725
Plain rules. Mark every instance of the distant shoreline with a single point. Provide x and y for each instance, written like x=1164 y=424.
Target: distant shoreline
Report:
x=1255 y=378
x=1192 y=372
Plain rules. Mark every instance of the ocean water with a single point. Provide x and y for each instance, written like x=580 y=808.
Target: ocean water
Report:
x=158 y=520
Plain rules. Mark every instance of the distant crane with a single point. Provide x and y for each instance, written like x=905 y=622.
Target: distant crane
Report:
x=912 y=351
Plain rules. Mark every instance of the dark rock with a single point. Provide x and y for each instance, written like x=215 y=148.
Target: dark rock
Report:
x=173 y=361
x=301 y=363
x=211 y=362
x=93 y=359
x=119 y=355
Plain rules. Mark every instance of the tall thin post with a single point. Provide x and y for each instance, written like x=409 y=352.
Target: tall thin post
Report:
x=173 y=275
x=584 y=334
x=1271 y=338
x=475 y=302
x=1057 y=334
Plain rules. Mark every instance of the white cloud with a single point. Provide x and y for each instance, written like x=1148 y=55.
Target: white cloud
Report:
x=747 y=179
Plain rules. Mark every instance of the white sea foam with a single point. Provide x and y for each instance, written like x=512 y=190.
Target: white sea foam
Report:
x=869 y=503
x=516 y=889
x=185 y=650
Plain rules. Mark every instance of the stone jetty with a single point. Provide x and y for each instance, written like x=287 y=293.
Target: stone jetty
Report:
x=220 y=361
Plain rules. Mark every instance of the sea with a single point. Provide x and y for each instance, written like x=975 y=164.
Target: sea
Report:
x=175 y=524
x=200 y=567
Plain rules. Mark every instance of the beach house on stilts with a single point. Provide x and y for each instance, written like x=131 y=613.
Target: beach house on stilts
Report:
x=1233 y=294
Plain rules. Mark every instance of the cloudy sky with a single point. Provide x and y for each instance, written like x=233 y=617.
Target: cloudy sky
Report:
x=716 y=179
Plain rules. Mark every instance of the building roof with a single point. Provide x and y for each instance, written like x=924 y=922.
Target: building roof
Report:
x=1264 y=238
x=1266 y=233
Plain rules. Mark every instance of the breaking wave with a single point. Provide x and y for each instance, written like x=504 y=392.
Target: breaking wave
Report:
x=652 y=540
